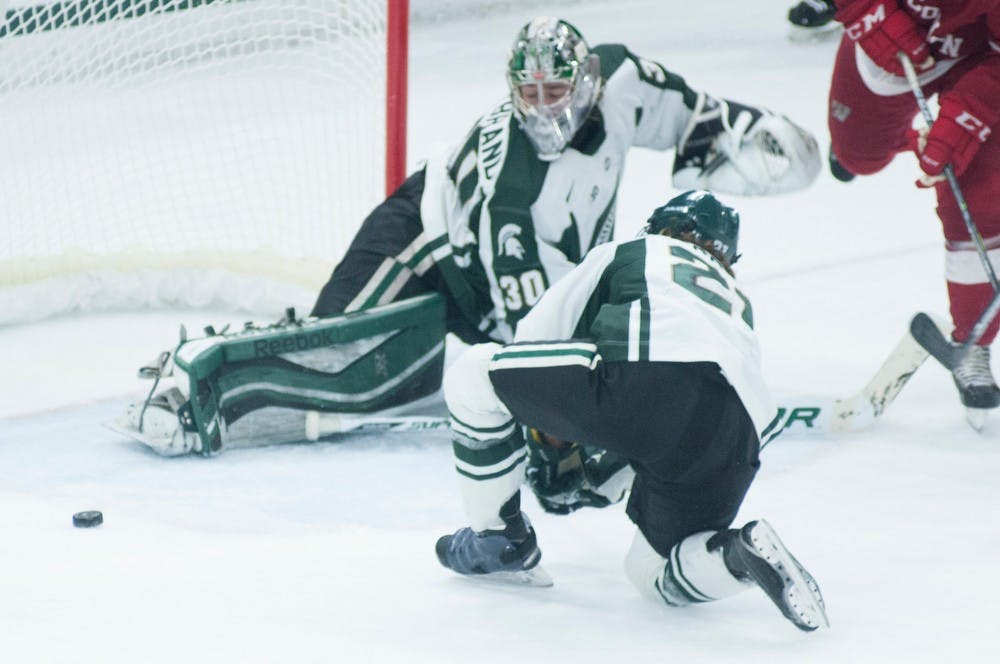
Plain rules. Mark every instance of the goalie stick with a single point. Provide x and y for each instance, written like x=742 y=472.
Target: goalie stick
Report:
x=796 y=416
x=319 y=424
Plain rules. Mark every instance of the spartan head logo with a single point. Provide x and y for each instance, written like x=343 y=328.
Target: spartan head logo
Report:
x=508 y=243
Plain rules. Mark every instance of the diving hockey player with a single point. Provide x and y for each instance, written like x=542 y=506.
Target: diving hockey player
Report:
x=646 y=349
x=955 y=48
x=493 y=225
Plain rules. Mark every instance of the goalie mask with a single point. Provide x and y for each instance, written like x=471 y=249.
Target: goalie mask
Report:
x=554 y=83
x=700 y=213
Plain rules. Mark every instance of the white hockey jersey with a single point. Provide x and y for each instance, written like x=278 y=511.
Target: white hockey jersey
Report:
x=657 y=299
x=505 y=225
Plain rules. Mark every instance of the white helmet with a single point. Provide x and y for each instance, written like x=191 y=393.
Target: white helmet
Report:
x=554 y=83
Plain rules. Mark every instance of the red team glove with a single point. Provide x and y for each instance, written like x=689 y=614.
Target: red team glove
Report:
x=883 y=30
x=954 y=139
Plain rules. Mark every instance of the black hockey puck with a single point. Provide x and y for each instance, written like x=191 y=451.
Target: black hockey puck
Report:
x=88 y=519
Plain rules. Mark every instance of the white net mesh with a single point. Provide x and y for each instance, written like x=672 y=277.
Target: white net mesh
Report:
x=154 y=151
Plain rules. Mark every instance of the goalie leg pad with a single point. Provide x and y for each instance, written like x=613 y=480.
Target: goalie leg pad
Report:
x=737 y=149
x=253 y=387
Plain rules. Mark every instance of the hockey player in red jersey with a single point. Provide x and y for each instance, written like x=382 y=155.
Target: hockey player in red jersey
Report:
x=955 y=49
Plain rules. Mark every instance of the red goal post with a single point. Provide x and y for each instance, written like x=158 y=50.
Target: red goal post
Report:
x=219 y=153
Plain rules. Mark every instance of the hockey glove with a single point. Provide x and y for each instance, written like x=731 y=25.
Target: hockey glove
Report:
x=571 y=476
x=883 y=30
x=954 y=139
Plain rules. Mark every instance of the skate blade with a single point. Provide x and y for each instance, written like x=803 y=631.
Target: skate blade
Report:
x=535 y=577
x=976 y=417
x=801 y=591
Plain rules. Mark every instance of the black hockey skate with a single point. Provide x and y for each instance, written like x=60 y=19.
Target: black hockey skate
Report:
x=812 y=19
x=510 y=555
x=976 y=386
x=755 y=553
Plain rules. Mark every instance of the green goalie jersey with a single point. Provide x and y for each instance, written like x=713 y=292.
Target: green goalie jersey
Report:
x=504 y=225
x=657 y=299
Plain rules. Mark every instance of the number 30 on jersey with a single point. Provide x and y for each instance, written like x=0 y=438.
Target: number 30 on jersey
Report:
x=523 y=290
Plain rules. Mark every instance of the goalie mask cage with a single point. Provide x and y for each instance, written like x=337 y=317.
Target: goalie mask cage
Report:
x=191 y=152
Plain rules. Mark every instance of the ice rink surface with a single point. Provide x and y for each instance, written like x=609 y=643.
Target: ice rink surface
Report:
x=324 y=552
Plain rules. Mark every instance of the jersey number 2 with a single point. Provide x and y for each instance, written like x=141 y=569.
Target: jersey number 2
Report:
x=687 y=274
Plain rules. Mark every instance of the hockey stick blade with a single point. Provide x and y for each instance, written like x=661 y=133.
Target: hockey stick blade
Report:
x=929 y=335
x=799 y=416
x=861 y=410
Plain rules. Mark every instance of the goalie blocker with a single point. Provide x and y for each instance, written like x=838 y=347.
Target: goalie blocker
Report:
x=256 y=386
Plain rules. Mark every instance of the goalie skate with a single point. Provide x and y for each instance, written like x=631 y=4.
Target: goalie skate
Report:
x=764 y=559
x=157 y=425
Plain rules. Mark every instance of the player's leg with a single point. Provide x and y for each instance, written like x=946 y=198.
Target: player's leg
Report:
x=969 y=289
x=386 y=259
x=392 y=258
x=490 y=458
x=866 y=129
x=684 y=501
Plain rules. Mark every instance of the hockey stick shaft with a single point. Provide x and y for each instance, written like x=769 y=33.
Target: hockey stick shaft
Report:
x=949 y=173
x=319 y=424
x=797 y=416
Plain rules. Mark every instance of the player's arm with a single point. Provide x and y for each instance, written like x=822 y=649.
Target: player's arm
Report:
x=565 y=476
x=883 y=29
x=969 y=113
x=722 y=145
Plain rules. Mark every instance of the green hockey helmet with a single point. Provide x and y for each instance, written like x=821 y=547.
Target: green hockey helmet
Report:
x=700 y=213
x=554 y=82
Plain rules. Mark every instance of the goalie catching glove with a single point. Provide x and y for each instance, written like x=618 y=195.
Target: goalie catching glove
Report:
x=737 y=149
x=565 y=476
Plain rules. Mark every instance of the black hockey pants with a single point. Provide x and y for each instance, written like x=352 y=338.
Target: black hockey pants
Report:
x=681 y=425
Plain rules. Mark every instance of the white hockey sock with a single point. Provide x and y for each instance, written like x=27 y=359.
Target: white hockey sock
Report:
x=490 y=455
x=690 y=574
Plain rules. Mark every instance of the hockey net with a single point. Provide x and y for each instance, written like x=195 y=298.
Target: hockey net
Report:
x=186 y=152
